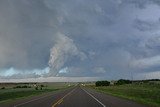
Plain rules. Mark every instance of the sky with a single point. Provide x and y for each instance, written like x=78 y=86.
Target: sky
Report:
x=77 y=40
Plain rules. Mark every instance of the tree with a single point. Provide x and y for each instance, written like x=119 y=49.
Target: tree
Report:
x=3 y=88
x=102 y=83
x=123 y=81
x=36 y=88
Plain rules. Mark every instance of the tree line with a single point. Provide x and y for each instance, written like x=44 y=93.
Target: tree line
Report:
x=107 y=83
x=102 y=83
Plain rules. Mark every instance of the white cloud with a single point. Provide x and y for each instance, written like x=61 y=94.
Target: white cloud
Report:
x=64 y=70
x=15 y=73
x=146 y=62
x=148 y=75
x=99 y=70
x=64 y=49
x=8 y=72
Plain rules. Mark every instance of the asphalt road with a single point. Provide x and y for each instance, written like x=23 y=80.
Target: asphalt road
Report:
x=74 y=97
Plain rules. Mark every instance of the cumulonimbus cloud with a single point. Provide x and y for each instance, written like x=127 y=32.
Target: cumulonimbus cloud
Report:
x=104 y=37
x=64 y=49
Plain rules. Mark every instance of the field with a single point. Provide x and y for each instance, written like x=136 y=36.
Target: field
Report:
x=13 y=91
x=145 y=93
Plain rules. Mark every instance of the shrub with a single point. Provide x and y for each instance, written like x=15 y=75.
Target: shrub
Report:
x=123 y=81
x=42 y=85
x=24 y=86
x=3 y=88
x=102 y=83
x=18 y=86
x=36 y=88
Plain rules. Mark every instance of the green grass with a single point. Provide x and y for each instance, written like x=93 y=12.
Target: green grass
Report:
x=10 y=94
x=144 y=93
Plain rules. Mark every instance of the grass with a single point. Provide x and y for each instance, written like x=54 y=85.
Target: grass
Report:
x=143 y=93
x=14 y=93
x=10 y=94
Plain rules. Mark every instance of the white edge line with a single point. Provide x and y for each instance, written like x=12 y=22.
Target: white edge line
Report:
x=94 y=98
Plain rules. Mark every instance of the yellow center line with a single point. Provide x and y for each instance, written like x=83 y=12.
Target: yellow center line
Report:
x=61 y=100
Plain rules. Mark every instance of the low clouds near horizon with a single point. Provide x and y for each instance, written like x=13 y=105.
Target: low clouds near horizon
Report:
x=108 y=39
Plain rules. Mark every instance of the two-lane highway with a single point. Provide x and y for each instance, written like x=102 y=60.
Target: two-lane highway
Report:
x=75 y=97
x=79 y=98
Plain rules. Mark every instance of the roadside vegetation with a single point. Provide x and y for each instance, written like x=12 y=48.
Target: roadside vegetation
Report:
x=10 y=92
x=146 y=91
x=102 y=83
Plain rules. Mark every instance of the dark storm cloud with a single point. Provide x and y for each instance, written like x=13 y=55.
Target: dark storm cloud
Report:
x=26 y=34
x=106 y=38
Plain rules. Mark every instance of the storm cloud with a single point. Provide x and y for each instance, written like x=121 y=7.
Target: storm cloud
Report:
x=108 y=39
